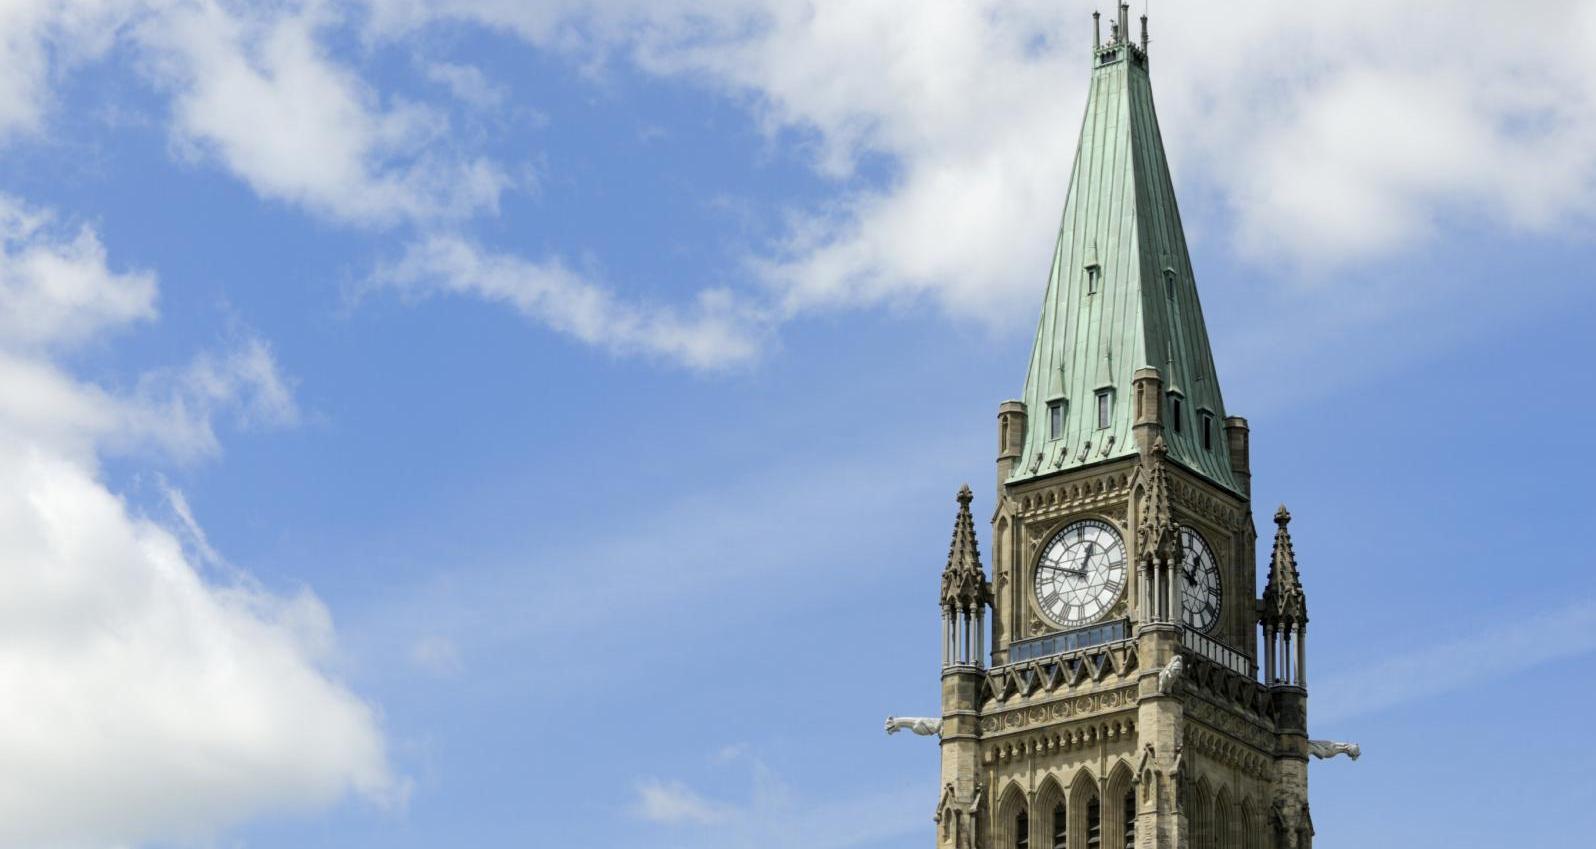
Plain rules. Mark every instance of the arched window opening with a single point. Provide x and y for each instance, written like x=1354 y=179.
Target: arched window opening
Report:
x=1022 y=831
x=1094 y=824
x=1130 y=819
x=1220 y=835
x=1060 y=827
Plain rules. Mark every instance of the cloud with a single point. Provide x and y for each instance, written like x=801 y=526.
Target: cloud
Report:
x=673 y=802
x=55 y=286
x=718 y=332
x=261 y=93
x=38 y=38
x=773 y=815
x=1429 y=671
x=468 y=84
x=148 y=697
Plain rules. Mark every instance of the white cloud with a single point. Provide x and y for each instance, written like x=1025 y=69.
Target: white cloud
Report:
x=674 y=802
x=468 y=84
x=55 y=286
x=147 y=698
x=770 y=814
x=260 y=92
x=37 y=39
x=718 y=332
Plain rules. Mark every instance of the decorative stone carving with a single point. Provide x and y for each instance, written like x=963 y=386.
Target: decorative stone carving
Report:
x=924 y=726
x=1326 y=749
x=1169 y=676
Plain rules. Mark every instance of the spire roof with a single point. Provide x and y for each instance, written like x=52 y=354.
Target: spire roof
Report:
x=1121 y=294
x=1284 y=601
x=964 y=583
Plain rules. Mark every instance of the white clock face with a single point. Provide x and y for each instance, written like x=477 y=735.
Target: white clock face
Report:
x=1202 y=596
x=1081 y=573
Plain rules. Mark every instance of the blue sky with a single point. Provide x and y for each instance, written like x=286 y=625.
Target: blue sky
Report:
x=469 y=423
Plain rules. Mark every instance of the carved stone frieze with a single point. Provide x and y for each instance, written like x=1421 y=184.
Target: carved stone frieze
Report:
x=1094 y=493
x=1066 y=708
x=1063 y=738
x=1227 y=750
x=1195 y=499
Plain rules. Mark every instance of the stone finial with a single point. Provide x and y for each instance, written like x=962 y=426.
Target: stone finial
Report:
x=964 y=584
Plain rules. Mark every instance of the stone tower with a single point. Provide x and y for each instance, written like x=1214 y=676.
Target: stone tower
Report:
x=1125 y=704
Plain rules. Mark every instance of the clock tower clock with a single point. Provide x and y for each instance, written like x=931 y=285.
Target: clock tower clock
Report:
x=1137 y=691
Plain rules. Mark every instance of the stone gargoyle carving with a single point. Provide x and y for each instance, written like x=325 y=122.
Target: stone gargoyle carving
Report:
x=924 y=726
x=1324 y=749
x=1169 y=675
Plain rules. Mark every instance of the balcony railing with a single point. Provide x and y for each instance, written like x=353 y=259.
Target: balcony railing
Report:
x=1219 y=653
x=1068 y=641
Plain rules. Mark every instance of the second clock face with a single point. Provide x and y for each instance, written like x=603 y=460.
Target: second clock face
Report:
x=1202 y=594
x=1081 y=573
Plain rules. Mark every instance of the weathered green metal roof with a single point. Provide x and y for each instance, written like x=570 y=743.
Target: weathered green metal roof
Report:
x=1120 y=219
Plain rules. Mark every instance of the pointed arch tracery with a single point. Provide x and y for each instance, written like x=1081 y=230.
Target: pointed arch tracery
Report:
x=1046 y=809
x=1199 y=815
x=1223 y=821
x=1085 y=812
x=1251 y=826
x=1011 y=804
x=1119 y=807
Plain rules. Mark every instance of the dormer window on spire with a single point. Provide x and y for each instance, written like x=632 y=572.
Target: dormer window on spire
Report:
x=1094 y=269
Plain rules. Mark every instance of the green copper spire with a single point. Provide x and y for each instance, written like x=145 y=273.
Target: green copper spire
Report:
x=1121 y=296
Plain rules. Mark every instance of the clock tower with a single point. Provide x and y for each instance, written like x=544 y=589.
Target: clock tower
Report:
x=1120 y=681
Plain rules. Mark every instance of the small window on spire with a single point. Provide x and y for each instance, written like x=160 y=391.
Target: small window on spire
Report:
x=1208 y=432
x=1093 y=274
x=1055 y=420
x=1176 y=415
x=1105 y=408
x=1169 y=283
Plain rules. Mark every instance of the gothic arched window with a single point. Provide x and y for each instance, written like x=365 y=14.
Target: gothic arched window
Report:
x=1094 y=824
x=1022 y=831
x=1130 y=819
x=1060 y=827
